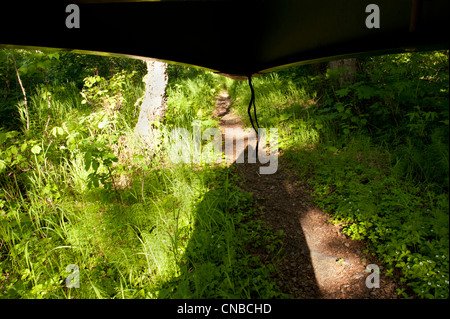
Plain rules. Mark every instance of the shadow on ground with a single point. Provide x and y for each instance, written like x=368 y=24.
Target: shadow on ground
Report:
x=312 y=260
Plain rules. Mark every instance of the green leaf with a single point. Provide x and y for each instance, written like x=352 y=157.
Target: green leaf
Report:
x=285 y=116
x=138 y=158
x=36 y=149
x=343 y=92
x=95 y=165
x=2 y=166
x=332 y=149
x=11 y=134
x=365 y=92
x=23 y=147
x=2 y=56
x=13 y=150
x=57 y=131
x=23 y=69
x=87 y=160
x=2 y=138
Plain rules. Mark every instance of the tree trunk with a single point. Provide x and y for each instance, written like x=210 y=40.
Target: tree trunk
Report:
x=153 y=107
x=348 y=76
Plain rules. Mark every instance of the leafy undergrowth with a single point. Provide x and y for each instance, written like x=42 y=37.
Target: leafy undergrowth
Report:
x=375 y=154
x=87 y=212
x=406 y=225
x=215 y=262
x=188 y=238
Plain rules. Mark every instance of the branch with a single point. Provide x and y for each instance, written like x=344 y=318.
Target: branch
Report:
x=23 y=92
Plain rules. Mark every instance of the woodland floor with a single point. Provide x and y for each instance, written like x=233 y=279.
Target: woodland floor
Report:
x=319 y=261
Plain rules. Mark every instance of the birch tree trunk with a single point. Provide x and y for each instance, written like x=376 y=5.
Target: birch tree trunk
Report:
x=154 y=104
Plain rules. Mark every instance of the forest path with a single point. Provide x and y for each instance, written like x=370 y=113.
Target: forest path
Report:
x=319 y=260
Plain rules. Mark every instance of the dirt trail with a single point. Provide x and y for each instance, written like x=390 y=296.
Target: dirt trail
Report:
x=320 y=261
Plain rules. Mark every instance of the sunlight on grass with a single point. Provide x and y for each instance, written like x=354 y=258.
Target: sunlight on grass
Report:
x=385 y=182
x=140 y=228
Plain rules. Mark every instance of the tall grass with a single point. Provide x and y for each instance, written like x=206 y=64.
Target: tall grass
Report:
x=192 y=98
x=166 y=231
x=281 y=103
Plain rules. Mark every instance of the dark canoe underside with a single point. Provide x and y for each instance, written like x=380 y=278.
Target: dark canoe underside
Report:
x=233 y=38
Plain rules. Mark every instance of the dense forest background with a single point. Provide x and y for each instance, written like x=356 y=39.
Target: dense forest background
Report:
x=77 y=187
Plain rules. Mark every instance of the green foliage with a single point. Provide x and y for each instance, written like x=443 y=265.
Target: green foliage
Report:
x=215 y=263
x=400 y=101
x=116 y=96
x=97 y=153
x=59 y=72
x=405 y=226
x=191 y=98
x=375 y=155
x=39 y=63
x=80 y=190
